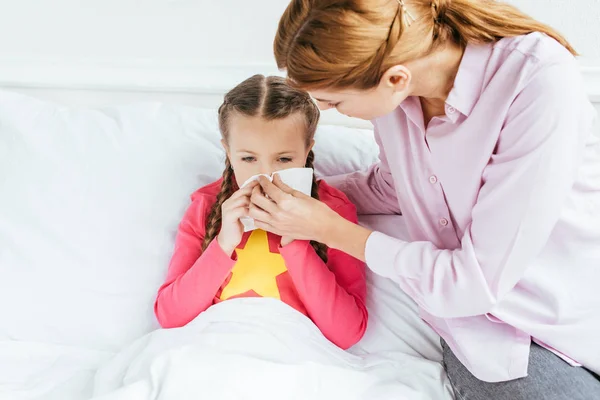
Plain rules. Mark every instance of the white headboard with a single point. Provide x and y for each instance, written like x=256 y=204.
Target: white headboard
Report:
x=96 y=84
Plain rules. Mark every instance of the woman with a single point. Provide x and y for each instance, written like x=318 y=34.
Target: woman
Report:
x=487 y=149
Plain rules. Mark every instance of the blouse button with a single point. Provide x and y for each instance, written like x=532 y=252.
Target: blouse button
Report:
x=443 y=222
x=451 y=110
x=433 y=179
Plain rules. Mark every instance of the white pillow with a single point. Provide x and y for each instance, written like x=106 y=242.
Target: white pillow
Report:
x=340 y=150
x=89 y=206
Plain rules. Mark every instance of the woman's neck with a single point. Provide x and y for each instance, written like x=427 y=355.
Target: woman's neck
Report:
x=434 y=74
x=433 y=79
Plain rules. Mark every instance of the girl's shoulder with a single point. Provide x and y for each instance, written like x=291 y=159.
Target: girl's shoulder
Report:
x=333 y=197
x=207 y=193
x=204 y=198
x=202 y=201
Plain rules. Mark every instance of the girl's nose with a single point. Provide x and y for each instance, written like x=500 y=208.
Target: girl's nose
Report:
x=266 y=168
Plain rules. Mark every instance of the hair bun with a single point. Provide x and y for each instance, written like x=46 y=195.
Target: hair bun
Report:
x=439 y=9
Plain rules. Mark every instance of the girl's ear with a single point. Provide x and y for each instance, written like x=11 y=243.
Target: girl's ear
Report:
x=310 y=146
x=226 y=147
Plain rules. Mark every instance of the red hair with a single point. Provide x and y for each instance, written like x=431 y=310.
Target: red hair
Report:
x=351 y=43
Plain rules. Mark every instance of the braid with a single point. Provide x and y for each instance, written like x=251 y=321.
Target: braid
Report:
x=213 y=223
x=439 y=9
x=320 y=248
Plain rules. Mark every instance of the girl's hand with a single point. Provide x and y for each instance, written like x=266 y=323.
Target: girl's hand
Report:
x=291 y=214
x=232 y=210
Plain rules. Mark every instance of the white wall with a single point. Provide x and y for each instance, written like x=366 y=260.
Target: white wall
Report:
x=578 y=20
x=200 y=31
x=172 y=31
x=188 y=46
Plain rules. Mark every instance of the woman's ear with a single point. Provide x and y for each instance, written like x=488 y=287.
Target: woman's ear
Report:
x=396 y=78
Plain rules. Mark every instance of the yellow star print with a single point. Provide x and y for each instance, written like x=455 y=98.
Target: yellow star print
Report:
x=256 y=269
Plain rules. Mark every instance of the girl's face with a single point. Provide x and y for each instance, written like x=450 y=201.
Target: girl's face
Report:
x=259 y=146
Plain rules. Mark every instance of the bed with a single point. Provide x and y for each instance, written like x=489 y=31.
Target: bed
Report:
x=92 y=192
x=93 y=185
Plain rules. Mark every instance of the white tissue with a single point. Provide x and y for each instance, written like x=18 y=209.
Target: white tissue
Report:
x=299 y=179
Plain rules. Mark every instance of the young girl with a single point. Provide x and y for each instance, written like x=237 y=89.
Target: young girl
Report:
x=266 y=126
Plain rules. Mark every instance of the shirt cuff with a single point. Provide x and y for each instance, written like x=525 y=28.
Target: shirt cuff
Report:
x=380 y=254
x=215 y=253
x=293 y=248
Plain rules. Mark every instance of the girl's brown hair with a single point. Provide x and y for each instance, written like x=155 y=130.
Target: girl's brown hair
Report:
x=351 y=43
x=270 y=98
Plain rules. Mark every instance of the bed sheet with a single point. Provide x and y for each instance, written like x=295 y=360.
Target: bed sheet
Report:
x=395 y=328
x=30 y=370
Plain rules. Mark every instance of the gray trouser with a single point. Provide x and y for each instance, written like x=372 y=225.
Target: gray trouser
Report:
x=549 y=378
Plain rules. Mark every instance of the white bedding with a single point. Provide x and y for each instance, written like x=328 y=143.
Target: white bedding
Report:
x=52 y=372
x=91 y=199
x=249 y=348
x=42 y=371
x=395 y=332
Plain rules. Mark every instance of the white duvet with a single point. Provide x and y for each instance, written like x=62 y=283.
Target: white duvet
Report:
x=263 y=349
x=252 y=342
x=248 y=349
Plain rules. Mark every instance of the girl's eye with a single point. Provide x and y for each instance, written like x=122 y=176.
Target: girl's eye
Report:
x=333 y=105
x=285 y=160
x=248 y=159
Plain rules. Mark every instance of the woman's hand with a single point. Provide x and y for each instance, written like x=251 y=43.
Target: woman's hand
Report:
x=291 y=214
x=232 y=210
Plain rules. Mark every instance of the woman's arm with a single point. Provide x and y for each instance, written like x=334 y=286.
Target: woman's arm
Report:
x=333 y=294
x=194 y=277
x=524 y=188
x=373 y=191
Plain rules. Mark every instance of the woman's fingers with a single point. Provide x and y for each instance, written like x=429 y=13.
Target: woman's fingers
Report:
x=267 y=227
x=278 y=182
x=259 y=214
x=260 y=200
x=271 y=190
